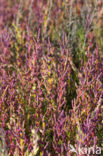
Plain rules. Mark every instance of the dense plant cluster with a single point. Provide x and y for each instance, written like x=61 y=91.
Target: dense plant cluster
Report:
x=51 y=77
